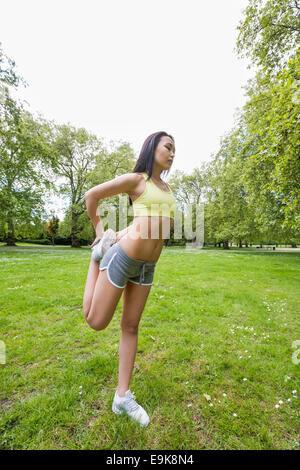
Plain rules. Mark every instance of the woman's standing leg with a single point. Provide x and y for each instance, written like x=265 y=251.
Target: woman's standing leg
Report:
x=134 y=300
x=92 y=277
x=93 y=272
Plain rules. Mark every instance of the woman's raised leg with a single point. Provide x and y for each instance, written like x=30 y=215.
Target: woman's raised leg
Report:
x=101 y=297
x=91 y=280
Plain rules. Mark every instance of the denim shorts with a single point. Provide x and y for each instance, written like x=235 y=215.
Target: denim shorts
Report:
x=121 y=268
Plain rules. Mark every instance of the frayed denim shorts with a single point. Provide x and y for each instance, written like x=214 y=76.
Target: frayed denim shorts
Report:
x=121 y=268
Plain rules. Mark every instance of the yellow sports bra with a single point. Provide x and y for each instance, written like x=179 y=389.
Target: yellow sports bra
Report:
x=154 y=201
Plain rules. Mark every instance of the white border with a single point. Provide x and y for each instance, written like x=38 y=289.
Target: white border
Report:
x=129 y=280
x=109 y=278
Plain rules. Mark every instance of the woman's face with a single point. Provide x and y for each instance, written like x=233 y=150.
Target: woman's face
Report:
x=165 y=153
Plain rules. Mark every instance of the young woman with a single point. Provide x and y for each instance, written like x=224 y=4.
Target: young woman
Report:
x=128 y=264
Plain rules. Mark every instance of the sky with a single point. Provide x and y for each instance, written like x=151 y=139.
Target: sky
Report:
x=123 y=69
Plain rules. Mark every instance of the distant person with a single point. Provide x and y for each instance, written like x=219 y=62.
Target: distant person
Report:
x=129 y=257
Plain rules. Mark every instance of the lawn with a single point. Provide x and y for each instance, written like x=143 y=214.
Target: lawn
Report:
x=214 y=366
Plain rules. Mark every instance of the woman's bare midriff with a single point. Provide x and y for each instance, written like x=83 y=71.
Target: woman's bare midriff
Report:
x=145 y=237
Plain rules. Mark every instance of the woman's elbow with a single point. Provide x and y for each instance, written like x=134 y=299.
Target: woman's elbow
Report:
x=90 y=196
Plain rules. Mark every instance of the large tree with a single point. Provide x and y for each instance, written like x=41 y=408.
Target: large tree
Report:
x=271 y=155
x=83 y=162
x=75 y=151
x=24 y=154
x=269 y=33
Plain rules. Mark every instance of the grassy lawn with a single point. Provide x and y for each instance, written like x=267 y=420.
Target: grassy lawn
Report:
x=214 y=353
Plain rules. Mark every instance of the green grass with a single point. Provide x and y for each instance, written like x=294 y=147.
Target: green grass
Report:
x=213 y=318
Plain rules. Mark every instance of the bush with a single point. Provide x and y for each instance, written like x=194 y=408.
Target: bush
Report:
x=38 y=242
x=178 y=242
x=60 y=240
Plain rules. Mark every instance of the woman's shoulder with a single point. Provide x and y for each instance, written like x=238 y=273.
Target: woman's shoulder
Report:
x=142 y=175
x=135 y=177
x=137 y=186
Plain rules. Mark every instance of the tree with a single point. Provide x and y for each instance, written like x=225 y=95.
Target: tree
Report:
x=271 y=153
x=83 y=162
x=188 y=191
x=112 y=162
x=23 y=154
x=269 y=33
x=52 y=226
x=8 y=74
x=75 y=152
x=269 y=126
x=21 y=181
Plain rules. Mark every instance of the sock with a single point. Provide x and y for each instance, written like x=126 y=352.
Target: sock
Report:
x=123 y=396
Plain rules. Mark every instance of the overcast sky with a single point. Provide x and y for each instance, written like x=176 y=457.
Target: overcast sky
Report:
x=124 y=69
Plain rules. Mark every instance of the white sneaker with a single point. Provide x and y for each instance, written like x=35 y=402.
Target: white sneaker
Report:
x=106 y=241
x=129 y=406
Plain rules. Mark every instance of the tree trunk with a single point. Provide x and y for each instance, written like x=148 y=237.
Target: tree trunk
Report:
x=10 y=238
x=75 y=242
x=246 y=245
x=240 y=244
x=225 y=245
x=294 y=245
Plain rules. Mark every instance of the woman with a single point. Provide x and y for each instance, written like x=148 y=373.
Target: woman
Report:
x=129 y=257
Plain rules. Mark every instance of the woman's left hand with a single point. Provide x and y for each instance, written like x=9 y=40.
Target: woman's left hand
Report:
x=119 y=235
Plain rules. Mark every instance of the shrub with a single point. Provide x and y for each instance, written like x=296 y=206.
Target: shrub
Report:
x=43 y=241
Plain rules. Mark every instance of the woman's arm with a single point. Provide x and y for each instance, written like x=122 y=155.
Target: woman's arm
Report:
x=93 y=213
x=122 y=184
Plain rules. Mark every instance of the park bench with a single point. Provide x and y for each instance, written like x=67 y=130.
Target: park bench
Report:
x=266 y=247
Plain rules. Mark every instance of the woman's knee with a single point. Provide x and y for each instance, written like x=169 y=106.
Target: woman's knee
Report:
x=95 y=323
x=131 y=328
x=96 y=326
x=86 y=311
